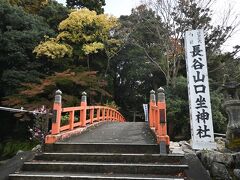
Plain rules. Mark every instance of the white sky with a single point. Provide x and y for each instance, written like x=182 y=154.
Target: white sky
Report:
x=123 y=7
x=219 y=9
x=120 y=7
x=117 y=7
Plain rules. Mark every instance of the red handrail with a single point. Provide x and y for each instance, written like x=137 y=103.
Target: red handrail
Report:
x=157 y=116
x=94 y=116
x=86 y=115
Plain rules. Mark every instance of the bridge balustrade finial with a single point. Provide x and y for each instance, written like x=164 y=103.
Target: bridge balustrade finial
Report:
x=160 y=90
x=84 y=97
x=58 y=96
x=152 y=96
x=161 y=95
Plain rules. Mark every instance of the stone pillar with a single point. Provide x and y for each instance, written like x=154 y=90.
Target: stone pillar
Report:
x=151 y=104
x=83 y=112
x=57 y=112
x=161 y=95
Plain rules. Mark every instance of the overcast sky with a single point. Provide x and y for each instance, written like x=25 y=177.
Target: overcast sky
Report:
x=123 y=7
x=117 y=7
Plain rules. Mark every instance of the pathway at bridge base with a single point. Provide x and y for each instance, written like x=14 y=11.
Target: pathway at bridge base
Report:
x=111 y=150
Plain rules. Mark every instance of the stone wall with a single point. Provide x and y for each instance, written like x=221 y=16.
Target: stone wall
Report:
x=220 y=163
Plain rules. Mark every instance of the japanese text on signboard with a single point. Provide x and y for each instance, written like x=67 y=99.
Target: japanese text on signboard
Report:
x=199 y=97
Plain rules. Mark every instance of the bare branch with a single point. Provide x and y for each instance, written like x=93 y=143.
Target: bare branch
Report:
x=151 y=59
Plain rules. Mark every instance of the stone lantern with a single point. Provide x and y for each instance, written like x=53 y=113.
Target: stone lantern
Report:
x=232 y=107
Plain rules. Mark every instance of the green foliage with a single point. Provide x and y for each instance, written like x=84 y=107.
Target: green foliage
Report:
x=19 y=34
x=133 y=78
x=177 y=109
x=218 y=115
x=193 y=15
x=54 y=13
x=112 y=104
x=12 y=79
x=95 y=5
x=11 y=147
x=223 y=68
x=65 y=119
x=30 y=6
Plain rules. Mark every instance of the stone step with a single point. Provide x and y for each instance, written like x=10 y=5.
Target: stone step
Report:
x=87 y=167
x=84 y=176
x=111 y=157
x=102 y=148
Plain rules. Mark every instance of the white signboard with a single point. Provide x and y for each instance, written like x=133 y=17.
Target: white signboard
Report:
x=145 y=108
x=198 y=91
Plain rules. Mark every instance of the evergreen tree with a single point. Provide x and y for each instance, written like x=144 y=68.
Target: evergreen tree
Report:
x=19 y=34
x=95 y=5
x=30 y=6
x=54 y=13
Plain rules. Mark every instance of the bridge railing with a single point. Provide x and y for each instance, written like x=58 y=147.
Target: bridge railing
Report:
x=79 y=116
x=157 y=116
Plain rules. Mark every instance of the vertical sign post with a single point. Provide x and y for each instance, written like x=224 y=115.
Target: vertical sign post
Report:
x=198 y=91
x=145 y=108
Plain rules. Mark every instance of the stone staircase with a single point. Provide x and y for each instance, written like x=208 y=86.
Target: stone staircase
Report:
x=102 y=161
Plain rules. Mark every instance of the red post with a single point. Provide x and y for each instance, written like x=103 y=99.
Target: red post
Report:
x=91 y=115
x=103 y=114
x=162 y=124
x=83 y=113
x=110 y=115
x=57 y=111
x=115 y=115
x=152 y=103
x=98 y=114
x=71 y=120
x=156 y=118
x=107 y=114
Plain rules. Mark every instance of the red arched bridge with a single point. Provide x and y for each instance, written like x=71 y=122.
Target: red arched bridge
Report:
x=92 y=115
